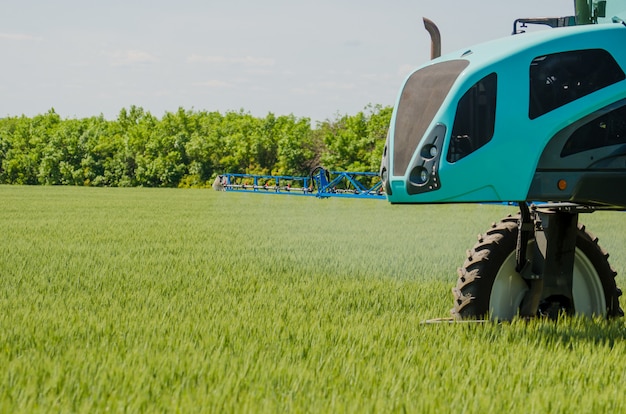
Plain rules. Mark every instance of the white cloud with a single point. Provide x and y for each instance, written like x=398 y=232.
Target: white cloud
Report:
x=304 y=91
x=19 y=36
x=335 y=72
x=213 y=83
x=131 y=57
x=319 y=88
x=375 y=77
x=353 y=43
x=243 y=60
x=336 y=85
x=406 y=69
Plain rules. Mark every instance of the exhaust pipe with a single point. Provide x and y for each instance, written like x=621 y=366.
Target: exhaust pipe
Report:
x=435 y=38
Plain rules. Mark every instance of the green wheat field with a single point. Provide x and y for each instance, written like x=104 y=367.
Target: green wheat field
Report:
x=167 y=300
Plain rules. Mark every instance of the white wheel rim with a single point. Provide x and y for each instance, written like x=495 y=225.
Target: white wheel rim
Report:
x=509 y=288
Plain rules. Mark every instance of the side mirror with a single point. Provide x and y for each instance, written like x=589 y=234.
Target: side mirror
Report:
x=601 y=8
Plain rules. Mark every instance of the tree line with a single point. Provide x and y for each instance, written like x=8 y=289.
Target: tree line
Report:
x=183 y=148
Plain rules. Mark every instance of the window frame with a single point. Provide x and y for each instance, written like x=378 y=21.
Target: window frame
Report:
x=474 y=121
x=557 y=79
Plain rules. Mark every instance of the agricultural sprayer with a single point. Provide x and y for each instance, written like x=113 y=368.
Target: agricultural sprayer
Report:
x=321 y=183
x=537 y=119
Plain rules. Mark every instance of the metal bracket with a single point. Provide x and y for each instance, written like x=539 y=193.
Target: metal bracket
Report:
x=554 y=258
x=525 y=229
x=549 y=271
x=549 y=274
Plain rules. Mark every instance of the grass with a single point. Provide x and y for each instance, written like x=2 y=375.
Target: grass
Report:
x=157 y=300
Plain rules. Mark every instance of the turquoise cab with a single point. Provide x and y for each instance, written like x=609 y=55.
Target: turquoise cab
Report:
x=534 y=117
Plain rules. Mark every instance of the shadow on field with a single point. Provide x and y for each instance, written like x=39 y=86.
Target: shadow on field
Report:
x=569 y=331
x=566 y=332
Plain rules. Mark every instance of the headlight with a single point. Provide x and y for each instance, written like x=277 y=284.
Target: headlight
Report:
x=419 y=176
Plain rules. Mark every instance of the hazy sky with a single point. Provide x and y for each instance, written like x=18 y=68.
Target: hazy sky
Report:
x=312 y=59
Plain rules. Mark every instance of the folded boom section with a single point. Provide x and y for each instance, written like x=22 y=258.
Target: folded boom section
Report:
x=321 y=183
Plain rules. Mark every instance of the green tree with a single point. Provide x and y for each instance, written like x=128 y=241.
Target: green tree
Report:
x=203 y=150
x=296 y=152
x=183 y=148
x=355 y=143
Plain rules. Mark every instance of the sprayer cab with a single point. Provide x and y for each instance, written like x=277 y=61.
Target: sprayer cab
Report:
x=539 y=116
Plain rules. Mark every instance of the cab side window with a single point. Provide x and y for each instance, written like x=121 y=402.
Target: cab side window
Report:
x=606 y=130
x=561 y=78
x=475 y=119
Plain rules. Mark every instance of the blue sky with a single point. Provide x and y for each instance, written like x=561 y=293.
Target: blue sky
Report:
x=313 y=59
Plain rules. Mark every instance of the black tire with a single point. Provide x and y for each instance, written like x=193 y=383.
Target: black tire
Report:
x=489 y=287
